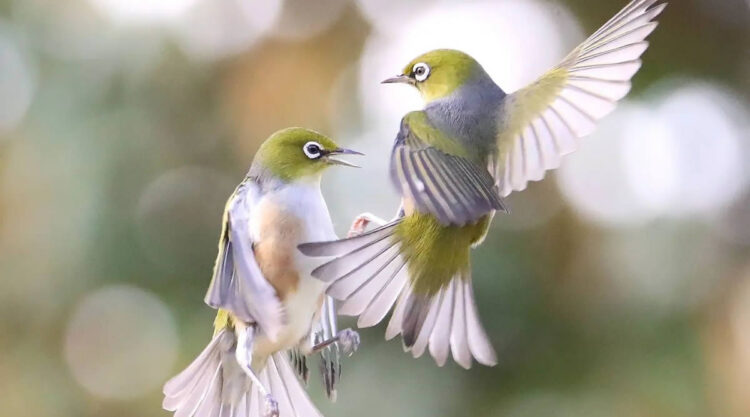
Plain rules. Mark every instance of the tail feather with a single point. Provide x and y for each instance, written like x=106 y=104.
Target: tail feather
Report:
x=439 y=340
x=449 y=322
x=459 y=340
x=397 y=318
x=254 y=404
x=242 y=409
x=420 y=335
x=479 y=343
x=415 y=316
x=184 y=383
x=287 y=389
x=185 y=393
x=370 y=275
x=215 y=386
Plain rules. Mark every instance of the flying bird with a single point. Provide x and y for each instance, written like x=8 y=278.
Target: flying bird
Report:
x=452 y=163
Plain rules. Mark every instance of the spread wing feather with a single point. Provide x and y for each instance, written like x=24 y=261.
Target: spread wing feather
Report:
x=543 y=121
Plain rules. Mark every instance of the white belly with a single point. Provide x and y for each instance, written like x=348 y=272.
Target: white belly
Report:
x=305 y=204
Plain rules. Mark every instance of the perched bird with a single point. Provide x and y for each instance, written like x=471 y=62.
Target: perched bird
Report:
x=269 y=305
x=452 y=162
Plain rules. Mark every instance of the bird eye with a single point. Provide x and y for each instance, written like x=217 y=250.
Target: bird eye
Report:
x=313 y=150
x=421 y=71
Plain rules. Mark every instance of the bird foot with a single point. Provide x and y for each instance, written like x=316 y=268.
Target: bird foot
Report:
x=362 y=221
x=348 y=341
x=272 y=407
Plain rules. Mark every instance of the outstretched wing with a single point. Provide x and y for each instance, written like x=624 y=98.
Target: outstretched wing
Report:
x=432 y=172
x=544 y=120
x=238 y=285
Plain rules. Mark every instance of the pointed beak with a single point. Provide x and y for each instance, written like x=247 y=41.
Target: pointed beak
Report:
x=341 y=151
x=402 y=79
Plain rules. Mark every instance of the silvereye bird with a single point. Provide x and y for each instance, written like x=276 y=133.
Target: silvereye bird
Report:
x=452 y=162
x=269 y=304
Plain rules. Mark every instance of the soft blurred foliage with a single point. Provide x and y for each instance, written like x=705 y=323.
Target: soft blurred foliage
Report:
x=619 y=286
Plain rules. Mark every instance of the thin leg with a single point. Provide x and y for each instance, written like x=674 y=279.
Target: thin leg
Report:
x=244 y=354
x=348 y=339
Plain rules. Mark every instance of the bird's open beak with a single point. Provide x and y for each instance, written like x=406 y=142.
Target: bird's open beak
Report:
x=341 y=151
x=403 y=79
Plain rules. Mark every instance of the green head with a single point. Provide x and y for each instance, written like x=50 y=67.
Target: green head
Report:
x=295 y=154
x=437 y=74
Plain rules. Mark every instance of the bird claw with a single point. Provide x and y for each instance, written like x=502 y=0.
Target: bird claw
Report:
x=349 y=341
x=358 y=226
x=361 y=222
x=272 y=407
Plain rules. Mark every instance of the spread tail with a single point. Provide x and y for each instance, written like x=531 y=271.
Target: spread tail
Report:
x=446 y=322
x=215 y=386
x=370 y=275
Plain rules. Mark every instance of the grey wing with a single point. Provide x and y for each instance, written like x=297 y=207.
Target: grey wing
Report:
x=454 y=189
x=238 y=285
x=330 y=356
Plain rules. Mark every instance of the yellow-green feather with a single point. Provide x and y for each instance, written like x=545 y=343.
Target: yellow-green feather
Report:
x=435 y=253
x=222 y=321
x=526 y=104
x=449 y=69
x=282 y=154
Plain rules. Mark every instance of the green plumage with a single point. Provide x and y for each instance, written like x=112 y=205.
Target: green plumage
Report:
x=454 y=68
x=434 y=253
x=283 y=157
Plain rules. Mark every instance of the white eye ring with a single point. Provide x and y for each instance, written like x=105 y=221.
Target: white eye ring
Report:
x=421 y=71
x=313 y=150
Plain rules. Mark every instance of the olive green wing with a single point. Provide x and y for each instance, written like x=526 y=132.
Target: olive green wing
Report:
x=544 y=120
x=433 y=172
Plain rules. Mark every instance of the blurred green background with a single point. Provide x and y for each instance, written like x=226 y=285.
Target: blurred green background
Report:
x=619 y=286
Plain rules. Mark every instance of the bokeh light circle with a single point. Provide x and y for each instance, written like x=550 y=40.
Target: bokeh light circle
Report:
x=212 y=30
x=679 y=155
x=697 y=154
x=120 y=342
x=142 y=11
x=593 y=178
x=17 y=83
